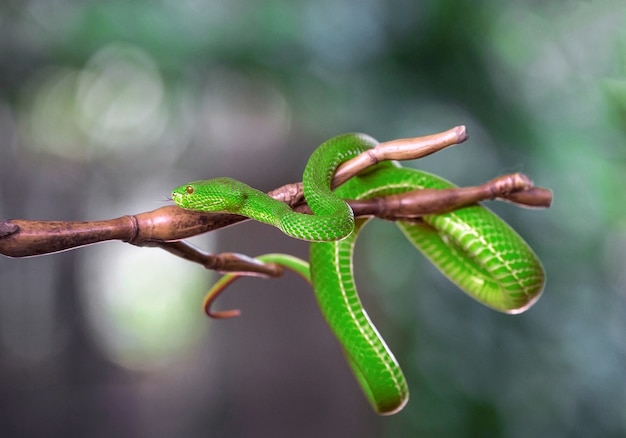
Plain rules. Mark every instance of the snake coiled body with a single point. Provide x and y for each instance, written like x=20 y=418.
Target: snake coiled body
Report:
x=471 y=246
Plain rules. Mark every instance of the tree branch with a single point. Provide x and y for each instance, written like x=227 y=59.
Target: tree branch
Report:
x=166 y=227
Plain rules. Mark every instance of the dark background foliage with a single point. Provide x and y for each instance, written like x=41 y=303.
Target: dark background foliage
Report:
x=105 y=106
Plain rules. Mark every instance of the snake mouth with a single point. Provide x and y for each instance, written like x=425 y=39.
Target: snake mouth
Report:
x=178 y=199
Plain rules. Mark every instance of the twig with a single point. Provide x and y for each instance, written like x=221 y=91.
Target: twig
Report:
x=401 y=150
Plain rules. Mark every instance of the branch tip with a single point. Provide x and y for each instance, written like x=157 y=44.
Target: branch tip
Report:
x=461 y=133
x=8 y=228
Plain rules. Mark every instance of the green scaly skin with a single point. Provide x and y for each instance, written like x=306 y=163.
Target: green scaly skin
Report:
x=471 y=246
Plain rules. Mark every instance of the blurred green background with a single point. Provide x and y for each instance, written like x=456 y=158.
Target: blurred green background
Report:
x=105 y=106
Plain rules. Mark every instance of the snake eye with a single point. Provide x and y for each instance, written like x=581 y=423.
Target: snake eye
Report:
x=189 y=190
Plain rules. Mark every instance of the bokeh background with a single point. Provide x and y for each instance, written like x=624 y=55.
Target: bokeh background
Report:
x=105 y=106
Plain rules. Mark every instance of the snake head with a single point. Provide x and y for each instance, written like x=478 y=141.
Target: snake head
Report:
x=212 y=195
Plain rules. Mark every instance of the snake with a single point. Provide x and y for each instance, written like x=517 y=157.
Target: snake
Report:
x=471 y=246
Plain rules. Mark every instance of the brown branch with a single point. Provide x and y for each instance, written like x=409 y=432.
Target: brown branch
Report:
x=515 y=187
x=166 y=227
x=401 y=150
x=31 y=238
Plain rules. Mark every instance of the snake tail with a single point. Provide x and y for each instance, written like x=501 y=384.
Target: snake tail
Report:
x=371 y=360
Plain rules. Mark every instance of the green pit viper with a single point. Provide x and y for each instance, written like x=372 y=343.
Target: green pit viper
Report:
x=471 y=246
